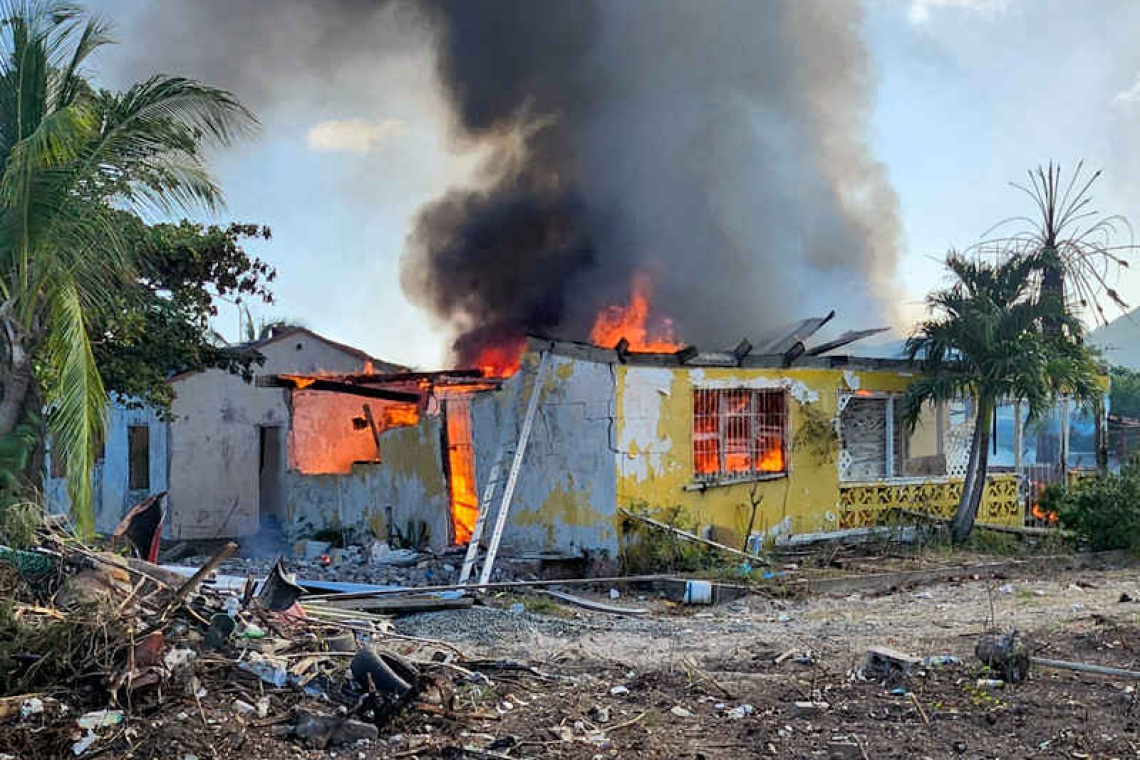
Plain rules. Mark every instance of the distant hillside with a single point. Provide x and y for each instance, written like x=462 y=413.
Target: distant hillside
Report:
x=1120 y=340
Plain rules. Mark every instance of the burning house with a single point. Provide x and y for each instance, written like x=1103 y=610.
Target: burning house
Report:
x=813 y=436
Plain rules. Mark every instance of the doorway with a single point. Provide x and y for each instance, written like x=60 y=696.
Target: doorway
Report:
x=271 y=472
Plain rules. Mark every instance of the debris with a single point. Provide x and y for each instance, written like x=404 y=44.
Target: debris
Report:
x=1004 y=654
x=681 y=712
x=278 y=593
x=243 y=708
x=698 y=592
x=740 y=712
x=31 y=706
x=990 y=683
x=142 y=526
x=597 y=606
x=808 y=709
x=321 y=731
x=692 y=537
x=614 y=593
x=885 y=662
x=1124 y=599
x=100 y=719
x=84 y=744
x=618 y=691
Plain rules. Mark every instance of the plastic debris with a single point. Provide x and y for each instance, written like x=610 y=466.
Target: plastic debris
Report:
x=100 y=719
x=31 y=706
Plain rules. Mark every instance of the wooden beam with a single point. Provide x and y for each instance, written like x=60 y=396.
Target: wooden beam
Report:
x=375 y=431
x=333 y=386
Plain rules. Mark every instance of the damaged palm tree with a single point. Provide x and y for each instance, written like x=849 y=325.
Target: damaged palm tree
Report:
x=1077 y=256
x=992 y=336
x=75 y=166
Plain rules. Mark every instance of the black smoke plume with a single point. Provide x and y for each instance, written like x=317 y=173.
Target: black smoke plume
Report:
x=719 y=147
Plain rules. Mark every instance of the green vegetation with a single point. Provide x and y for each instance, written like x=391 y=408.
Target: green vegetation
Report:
x=79 y=167
x=993 y=336
x=1124 y=398
x=1104 y=511
x=645 y=549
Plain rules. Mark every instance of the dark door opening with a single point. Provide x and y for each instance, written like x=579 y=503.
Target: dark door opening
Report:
x=271 y=471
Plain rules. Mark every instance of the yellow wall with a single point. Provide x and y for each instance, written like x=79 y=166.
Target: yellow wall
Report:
x=654 y=451
x=654 y=460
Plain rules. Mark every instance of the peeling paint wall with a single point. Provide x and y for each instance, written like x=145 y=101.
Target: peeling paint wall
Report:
x=408 y=484
x=110 y=480
x=655 y=452
x=214 y=439
x=564 y=501
x=323 y=440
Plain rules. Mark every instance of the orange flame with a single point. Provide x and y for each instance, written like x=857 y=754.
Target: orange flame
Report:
x=400 y=415
x=630 y=322
x=1043 y=514
x=500 y=360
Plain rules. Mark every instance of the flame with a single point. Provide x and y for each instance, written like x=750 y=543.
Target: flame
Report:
x=500 y=360
x=1043 y=514
x=461 y=470
x=464 y=506
x=300 y=382
x=400 y=415
x=772 y=460
x=630 y=322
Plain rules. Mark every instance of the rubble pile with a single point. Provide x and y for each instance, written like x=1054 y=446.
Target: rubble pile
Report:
x=373 y=563
x=103 y=653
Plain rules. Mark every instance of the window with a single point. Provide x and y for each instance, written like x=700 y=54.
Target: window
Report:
x=875 y=443
x=138 y=446
x=738 y=433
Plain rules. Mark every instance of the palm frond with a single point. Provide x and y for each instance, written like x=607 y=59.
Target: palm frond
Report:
x=76 y=398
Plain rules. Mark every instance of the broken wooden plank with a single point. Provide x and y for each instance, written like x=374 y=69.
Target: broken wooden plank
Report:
x=694 y=537
x=375 y=430
x=188 y=587
x=402 y=606
x=590 y=604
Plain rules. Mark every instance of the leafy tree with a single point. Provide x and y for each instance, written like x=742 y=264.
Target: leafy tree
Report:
x=161 y=326
x=72 y=160
x=987 y=339
x=1124 y=398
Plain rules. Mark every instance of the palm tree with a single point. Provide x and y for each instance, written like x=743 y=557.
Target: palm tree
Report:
x=991 y=337
x=1077 y=255
x=71 y=160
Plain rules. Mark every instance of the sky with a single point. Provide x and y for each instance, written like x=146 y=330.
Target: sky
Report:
x=968 y=96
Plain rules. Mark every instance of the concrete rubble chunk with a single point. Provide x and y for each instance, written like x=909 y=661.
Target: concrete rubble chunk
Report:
x=808 y=709
x=884 y=661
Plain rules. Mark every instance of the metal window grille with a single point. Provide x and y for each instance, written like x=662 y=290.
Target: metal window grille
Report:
x=739 y=433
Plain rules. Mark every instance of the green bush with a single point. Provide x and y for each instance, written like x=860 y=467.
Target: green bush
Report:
x=1104 y=511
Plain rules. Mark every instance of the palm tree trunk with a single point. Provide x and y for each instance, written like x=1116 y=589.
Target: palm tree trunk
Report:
x=975 y=481
x=19 y=379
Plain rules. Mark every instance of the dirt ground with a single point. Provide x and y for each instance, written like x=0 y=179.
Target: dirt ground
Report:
x=704 y=682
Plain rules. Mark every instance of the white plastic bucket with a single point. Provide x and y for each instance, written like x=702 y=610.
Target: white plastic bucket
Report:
x=698 y=592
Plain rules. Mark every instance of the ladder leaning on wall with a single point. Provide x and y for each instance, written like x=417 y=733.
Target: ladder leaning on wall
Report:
x=508 y=491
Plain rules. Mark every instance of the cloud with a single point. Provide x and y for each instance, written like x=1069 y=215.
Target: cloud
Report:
x=1129 y=96
x=353 y=135
x=919 y=12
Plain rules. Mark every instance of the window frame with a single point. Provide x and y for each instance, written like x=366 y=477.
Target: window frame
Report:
x=756 y=413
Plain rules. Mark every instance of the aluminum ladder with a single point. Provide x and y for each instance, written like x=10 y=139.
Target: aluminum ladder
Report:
x=508 y=491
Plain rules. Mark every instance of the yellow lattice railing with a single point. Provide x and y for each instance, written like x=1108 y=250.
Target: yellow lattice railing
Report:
x=861 y=503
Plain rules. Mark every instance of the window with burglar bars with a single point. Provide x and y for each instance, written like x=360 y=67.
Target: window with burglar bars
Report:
x=738 y=433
